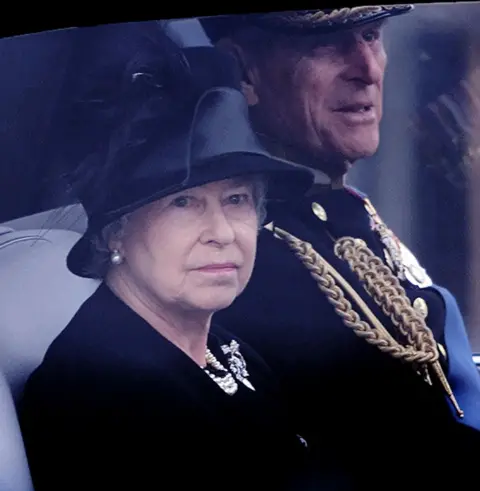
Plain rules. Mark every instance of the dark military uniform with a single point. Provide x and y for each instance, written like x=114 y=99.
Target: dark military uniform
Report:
x=369 y=416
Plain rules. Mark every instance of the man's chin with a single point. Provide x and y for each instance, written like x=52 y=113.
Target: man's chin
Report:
x=352 y=153
x=353 y=157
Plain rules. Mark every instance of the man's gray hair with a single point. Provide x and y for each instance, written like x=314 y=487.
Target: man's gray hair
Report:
x=101 y=252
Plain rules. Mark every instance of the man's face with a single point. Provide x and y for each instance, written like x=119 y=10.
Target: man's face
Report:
x=322 y=94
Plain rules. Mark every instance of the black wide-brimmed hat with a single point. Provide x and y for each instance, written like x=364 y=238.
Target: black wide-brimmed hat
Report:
x=300 y=22
x=193 y=128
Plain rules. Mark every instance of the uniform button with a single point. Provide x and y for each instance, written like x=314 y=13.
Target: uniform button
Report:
x=319 y=212
x=421 y=307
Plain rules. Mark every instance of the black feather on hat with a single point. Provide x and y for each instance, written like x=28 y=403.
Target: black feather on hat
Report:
x=300 y=22
x=174 y=119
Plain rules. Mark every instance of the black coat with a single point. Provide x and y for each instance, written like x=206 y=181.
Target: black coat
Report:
x=364 y=413
x=114 y=405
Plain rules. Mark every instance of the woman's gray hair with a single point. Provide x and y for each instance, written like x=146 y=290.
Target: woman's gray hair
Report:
x=260 y=188
x=101 y=252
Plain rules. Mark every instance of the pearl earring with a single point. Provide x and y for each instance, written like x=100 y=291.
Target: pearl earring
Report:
x=116 y=258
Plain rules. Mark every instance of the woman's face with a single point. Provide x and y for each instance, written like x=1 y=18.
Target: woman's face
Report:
x=193 y=250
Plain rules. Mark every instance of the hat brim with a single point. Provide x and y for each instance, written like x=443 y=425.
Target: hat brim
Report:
x=285 y=181
x=223 y=26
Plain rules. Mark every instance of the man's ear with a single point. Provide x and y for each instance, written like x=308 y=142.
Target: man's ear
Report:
x=249 y=73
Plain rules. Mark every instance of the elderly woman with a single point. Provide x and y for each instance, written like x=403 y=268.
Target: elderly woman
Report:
x=141 y=388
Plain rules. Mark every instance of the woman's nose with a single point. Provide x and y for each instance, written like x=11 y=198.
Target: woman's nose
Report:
x=218 y=228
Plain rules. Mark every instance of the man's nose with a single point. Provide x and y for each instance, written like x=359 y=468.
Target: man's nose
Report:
x=218 y=228
x=366 y=65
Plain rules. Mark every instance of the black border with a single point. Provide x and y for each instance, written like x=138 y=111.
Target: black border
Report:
x=28 y=21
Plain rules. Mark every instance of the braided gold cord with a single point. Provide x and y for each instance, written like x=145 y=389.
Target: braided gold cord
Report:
x=326 y=276
x=387 y=292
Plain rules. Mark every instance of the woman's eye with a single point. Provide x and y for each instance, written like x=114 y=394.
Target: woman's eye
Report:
x=182 y=201
x=238 y=199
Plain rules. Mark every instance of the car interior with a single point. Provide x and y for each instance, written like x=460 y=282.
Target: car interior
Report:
x=39 y=297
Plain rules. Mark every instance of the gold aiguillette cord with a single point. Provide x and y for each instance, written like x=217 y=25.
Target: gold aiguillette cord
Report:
x=437 y=368
x=318 y=266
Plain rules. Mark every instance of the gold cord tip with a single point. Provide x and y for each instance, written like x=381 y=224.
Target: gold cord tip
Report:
x=460 y=413
x=443 y=380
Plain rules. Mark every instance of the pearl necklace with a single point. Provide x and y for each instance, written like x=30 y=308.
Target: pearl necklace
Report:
x=226 y=382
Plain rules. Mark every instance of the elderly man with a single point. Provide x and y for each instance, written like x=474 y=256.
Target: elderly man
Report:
x=373 y=358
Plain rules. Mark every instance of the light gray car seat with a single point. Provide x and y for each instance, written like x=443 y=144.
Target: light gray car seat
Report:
x=38 y=297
